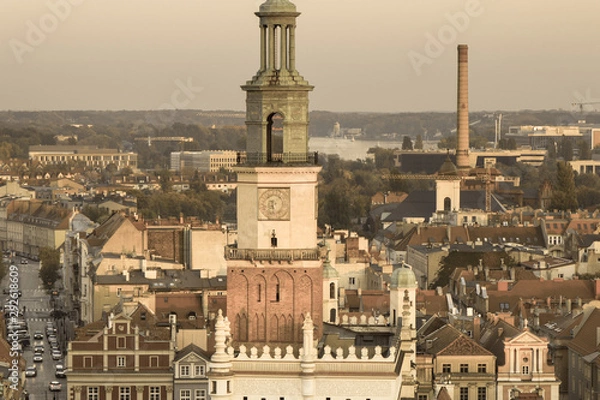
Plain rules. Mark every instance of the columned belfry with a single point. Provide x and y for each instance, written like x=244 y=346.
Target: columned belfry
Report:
x=274 y=273
x=277 y=96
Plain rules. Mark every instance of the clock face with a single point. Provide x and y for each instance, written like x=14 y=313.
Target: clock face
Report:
x=274 y=204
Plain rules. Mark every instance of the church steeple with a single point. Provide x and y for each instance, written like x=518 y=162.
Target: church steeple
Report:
x=277 y=96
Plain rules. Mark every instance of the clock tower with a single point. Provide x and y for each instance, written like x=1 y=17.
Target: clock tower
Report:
x=275 y=269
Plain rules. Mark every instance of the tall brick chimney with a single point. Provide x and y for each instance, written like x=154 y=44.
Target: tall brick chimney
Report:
x=462 y=111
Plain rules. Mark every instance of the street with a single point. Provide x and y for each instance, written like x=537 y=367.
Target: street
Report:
x=36 y=306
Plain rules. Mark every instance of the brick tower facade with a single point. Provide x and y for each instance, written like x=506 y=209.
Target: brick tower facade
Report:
x=275 y=269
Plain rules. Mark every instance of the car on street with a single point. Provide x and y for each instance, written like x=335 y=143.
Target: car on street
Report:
x=38 y=349
x=24 y=261
x=38 y=335
x=31 y=371
x=37 y=357
x=60 y=371
x=56 y=355
x=55 y=386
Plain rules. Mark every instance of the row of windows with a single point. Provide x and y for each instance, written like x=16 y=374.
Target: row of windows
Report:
x=93 y=393
x=464 y=368
x=198 y=370
x=124 y=393
x=121 y=362
x=481 y=393
x=186 y=394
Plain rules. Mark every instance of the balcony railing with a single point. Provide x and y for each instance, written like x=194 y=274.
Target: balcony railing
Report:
x=233 y=253
x=277 y=158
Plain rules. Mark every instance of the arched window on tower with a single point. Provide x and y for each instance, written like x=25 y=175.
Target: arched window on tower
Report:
x=332 y=290
x=275 y=137
x=447 y=204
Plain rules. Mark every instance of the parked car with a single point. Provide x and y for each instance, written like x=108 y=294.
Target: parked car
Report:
x=31 y=371
x=55 y=386
x=56 y=355
x=60 y=371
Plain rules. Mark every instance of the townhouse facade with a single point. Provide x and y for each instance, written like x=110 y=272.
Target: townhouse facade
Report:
x=125 y=357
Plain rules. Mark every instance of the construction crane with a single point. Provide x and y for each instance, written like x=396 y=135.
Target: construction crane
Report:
x=581 y=104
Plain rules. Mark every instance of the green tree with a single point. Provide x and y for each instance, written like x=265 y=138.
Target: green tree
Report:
x=50 y=271
x=564 y=195
x=419 y=142
x=94 y=213
x=407 y=143
x=565 y=149
x=507 y=144
x=165 y=180
x=552 y=149
x=336 y=205
x=447 y=142
x=585 y=153
x=196 y=184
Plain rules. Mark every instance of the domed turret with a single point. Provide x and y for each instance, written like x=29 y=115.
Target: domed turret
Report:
x=403 y=278
x=277 y=6
x=328 y=271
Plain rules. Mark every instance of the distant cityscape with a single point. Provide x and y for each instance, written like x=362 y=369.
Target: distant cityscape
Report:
x=226 y=255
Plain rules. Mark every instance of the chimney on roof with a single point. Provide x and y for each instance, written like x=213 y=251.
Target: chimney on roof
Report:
x=597 y=336
x=173 y=326
x=597 y=288
x=513 y=274
x=578 y=302
x=536 y=318
x=569 y=306
x=503 y=286
x=476 y=328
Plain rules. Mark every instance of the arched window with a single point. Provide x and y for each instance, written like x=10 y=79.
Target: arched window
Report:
x=332 y=290
x=275 y=137
x=447 y=204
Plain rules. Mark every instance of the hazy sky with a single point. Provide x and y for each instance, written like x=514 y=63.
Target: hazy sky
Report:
x=361 y=55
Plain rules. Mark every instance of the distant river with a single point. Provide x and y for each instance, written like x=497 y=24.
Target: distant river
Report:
x=346 y=148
